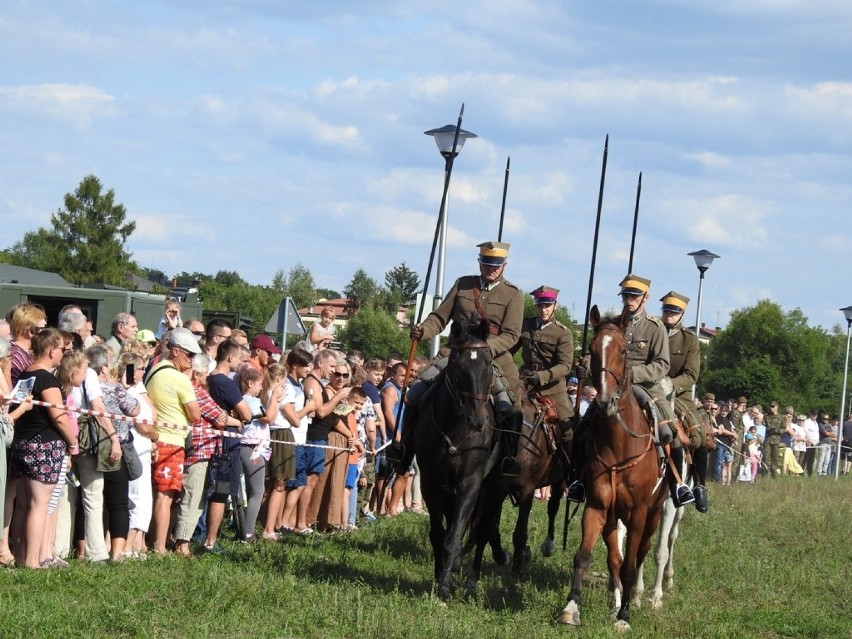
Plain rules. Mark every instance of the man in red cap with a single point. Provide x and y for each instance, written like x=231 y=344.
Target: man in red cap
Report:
x=262 y=350
x=547 y=350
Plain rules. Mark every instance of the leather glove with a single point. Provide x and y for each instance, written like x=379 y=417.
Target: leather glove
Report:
x=416 y=332
x=530 y=378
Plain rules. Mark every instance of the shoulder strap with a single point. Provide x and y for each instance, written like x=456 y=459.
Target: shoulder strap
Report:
x=154 y=372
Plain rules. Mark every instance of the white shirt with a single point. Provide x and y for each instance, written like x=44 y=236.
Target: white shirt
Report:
x=811 y=432
x=93 y=389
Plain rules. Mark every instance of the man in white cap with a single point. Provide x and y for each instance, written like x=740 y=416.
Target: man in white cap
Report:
x=172 y=395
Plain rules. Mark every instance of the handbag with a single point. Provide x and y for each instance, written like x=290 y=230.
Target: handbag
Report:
x=131 y=458
x=745 y=473
x=7 y=428
x=87 y=437
x=709 y=436
x=219 y=476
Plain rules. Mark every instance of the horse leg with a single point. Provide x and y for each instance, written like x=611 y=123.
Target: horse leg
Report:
x=662 y=551
x=459 y=517
x=638 y=542
x=613 y=538
x=592 y=525
x=548 y=546
x=523 y=554
x=669 y=575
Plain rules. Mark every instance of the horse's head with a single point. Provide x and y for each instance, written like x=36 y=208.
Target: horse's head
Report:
x=469 y=372
x=608 y=351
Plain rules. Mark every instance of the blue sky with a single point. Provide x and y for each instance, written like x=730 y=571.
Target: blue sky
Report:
x=253 y=135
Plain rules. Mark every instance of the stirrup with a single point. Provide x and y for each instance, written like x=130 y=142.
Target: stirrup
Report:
x=576 y=492
x=683 y=495
x=510 y=467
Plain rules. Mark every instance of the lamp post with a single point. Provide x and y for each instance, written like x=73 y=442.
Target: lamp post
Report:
x=703 y=260
x=444 y=138
x=847 y=313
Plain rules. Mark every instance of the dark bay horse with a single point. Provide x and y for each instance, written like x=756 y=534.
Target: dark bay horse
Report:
x=542 y=464
x=621 y=474
x=453 y=437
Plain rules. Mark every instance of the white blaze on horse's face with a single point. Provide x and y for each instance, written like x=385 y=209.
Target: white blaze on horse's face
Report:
x=473 y=355
x=604 y=393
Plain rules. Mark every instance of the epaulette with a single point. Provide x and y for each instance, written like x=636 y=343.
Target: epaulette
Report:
x=687 y=330
x=655 y=319
x=561 y=325
x=508 y=283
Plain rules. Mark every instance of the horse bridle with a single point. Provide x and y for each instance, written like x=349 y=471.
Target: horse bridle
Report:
x=456 y=395
x=621 y=380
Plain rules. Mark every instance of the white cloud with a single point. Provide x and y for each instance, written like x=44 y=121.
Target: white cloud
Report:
x=77 y=103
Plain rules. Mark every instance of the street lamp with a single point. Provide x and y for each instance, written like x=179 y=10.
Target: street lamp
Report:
x=847 y=313
x=444 y=138
x=703 y=260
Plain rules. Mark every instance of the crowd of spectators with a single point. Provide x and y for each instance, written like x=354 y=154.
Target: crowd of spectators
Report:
x=751 y=443
x=302 y=433
x=121 y=453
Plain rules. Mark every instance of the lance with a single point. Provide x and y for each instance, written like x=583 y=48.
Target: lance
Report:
x=503 y=208
x=635 y=223
x=595 y=246
x=588 y=309
x=441 y=211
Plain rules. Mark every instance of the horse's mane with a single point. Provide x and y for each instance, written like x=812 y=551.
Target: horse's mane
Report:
x=469 y=331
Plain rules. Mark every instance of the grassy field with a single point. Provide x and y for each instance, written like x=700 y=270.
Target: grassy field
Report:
x=770 y=560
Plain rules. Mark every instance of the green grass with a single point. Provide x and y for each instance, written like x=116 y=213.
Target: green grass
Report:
x=770 y=560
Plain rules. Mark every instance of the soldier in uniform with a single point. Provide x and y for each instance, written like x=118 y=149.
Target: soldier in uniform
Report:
x=503 y=306
x=772 y=444
x=648 y=359
x=547 y=350
x=685 y=364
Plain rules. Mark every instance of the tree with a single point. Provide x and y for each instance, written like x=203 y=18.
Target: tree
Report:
x=87 y=241
x=298 y=285
x=375 y=332
x=361 y=290
x=767 y=355
x=328 y=294
x=404 y=283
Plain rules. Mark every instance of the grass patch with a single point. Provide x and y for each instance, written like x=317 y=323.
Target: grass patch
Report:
x=769 y=561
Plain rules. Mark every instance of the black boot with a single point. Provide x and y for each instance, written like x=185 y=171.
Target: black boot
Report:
x=681 y=494
x=700 y=493
x=576 y=489
x=510 y=467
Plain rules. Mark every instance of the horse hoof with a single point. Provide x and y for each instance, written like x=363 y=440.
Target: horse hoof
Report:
x=525 y=556
x=548 y=548
x=622 y=626
x=656 y=603
x=570 y=615
x=502 y=558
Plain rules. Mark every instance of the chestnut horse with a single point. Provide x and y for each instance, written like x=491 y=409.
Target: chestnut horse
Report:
x=621 y=475
x=453 y=437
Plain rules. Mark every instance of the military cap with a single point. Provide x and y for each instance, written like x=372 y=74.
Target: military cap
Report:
x=709 y=396
x=493 y=253
x=773 y=403
x=742 y=400
x=634 y=285
x=674 y=302
x=545 y=295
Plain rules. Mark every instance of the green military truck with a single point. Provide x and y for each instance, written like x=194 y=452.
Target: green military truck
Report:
x=100 y=305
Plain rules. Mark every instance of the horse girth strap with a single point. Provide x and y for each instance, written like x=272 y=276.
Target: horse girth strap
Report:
x=492 y=327
x=620 y=466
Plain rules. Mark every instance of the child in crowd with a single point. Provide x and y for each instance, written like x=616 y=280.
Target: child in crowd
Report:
x=255 y=445
x=282 y=463
x=357 y=398
x=752 y=442
x=171 y=318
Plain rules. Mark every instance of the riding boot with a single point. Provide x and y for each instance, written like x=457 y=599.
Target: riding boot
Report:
x=576 y=489
x=681 y=493
x=510 y=467
x=700 y=493
x=401 y=454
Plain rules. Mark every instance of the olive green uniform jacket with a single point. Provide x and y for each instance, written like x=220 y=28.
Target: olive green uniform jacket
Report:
x=503 y=303
x=685 y=366
x=648 y=352
x=548 y=351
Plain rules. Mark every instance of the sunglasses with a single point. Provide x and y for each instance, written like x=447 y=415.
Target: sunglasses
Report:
x=197 y=333
x=340 y=375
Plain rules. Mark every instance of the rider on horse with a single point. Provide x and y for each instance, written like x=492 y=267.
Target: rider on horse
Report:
x=473 y=298
x=685 y=366
x=548 y=351
x=648 y=359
